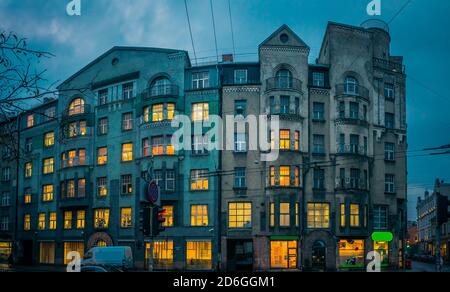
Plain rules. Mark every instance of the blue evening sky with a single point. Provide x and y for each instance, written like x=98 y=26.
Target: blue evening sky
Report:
x=420 y=33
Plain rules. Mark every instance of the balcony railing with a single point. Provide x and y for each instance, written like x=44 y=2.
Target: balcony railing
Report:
x=77 y=111
x=355 y=90
x=351 y=119
x=162 y=90
x=352 y=150
x=73 y=163
x=283 y=83
x=350 y=183
x=388 y=65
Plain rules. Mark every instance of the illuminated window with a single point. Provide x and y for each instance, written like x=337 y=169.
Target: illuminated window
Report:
x=27 y=198
x=157 y=146
x=199 y=180
x=68 y=220
x=127 y=184
x=351 y=253
x=162 y=254
x=81 y=157
x=342 y=215
x=170 y=111
x=318 y=215
x=81 y=219
x=297 y=141
x=284 y=176
x=30 y=120
x=102 y=186
x=101 y=243
x=272 y=176
x=146 y=114
x=47 y=193
x=127 y=152
x=239 y=215
x=168 y=216
x=354 y=215
x=82 y=128
x=170 y=149
x=199 y=215
x=145 y=147
x=285 y=140
x=28 y=169
x=297 y=176
x=200 y=112
x=70 y=189
x=72 y=247
x=102 y=155
x=101 y=218
x=283 y=254
x=127 y=121
x=41 y=221
x=285 y=214
x=126 y=215
x=157 y=112
x=52 y=221
x=76 y=107
x=49 y=139
x=272 y=214
x=47 y=252
x=27 y=222
x=48 y=165
x=297 y=215
x=198 y=255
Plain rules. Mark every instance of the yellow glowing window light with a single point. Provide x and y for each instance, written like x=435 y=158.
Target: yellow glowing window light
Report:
x=239 y=215
x=285 y=140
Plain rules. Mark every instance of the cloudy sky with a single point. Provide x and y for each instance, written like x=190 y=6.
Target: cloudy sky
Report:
x=419 y=32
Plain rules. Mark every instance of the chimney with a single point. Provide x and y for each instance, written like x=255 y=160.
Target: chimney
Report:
x=227 y=58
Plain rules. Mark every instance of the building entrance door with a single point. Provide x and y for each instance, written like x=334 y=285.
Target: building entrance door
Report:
x=319 y=255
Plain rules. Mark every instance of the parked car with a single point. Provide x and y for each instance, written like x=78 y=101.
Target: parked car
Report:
x=100 y=269
x=115 y=256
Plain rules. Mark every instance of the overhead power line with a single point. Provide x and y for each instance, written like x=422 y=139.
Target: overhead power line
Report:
x=190 y=30
x=231 y=24
x=214 y=29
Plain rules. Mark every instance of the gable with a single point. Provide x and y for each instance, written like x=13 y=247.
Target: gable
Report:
x=284 y=36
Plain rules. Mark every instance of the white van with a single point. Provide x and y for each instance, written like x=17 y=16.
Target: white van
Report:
x=116 y=256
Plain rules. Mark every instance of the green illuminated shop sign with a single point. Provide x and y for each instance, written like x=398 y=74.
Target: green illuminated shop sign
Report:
x=284 y=238
x=382 y=236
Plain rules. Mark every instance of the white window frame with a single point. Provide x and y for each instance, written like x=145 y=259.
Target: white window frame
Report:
x=240 y=79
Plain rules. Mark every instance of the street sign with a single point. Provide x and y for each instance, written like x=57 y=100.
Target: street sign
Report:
x=153 y=192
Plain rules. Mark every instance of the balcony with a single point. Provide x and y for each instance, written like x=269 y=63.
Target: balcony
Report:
x=75 y=162
x=283 y=83
x=165 y=90
x=351 y=184
x=388 y=65
x=73 y=202
x=352 y=90
x=78 y=111
x=351 y=150
x=351 y=120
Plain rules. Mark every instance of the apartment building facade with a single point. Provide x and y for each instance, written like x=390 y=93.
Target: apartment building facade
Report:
x=426 y=222
x=339 y=174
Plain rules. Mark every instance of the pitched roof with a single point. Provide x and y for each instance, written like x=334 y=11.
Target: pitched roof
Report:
x=290 y=31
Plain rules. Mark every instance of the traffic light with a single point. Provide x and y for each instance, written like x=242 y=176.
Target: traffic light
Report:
x=157 y=220
x=145 y=218
x=442 y=205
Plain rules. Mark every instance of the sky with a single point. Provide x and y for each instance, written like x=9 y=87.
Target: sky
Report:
x=419 y=32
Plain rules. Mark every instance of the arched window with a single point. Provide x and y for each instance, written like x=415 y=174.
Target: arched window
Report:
x=284 y=78
x=76 y=107
x=160 y=86
x=351 y=85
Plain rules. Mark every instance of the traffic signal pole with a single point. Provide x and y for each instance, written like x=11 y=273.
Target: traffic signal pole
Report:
x=438 y=248
x=150 y=256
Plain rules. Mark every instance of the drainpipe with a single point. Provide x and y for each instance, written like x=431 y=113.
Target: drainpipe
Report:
x=16 y=207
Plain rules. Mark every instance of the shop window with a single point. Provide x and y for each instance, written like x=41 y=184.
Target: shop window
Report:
x=351 y=254
x=199 y=255
x=283 y=254
x=47 y=253
x=72 y=247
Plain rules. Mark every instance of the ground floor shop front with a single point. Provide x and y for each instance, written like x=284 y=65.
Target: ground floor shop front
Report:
x=317 y=252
